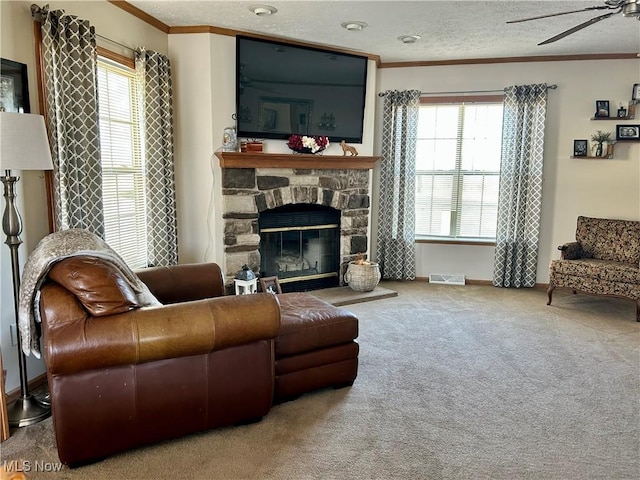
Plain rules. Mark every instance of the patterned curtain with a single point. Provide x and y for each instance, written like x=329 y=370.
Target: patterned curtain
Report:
x=520 y=198
x=154 y=71
x=71 y=95
x=396 y=215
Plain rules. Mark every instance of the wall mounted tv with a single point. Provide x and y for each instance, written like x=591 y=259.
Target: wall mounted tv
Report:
x=282 y=89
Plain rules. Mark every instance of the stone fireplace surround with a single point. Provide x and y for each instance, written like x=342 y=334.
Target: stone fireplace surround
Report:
x=249 y=191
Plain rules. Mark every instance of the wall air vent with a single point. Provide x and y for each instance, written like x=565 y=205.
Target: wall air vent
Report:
x=447 y=278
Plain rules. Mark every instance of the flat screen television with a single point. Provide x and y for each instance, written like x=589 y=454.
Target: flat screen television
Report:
x=284 y=89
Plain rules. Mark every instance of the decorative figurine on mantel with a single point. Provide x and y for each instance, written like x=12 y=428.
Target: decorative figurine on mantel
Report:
x=348 y=148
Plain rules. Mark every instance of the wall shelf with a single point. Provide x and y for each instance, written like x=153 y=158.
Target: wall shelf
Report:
x=631 y=117
x=287 y=160
x=631 y=110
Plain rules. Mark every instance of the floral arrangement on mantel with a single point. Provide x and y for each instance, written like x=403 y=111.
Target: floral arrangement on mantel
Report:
x=307 y=144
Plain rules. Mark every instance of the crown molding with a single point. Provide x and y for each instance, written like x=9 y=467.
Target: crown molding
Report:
x=232 y=33
x=538 y=58
x=136 y=12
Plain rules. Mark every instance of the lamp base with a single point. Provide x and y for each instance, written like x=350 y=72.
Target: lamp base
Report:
x=26 y=411
x=43 y=398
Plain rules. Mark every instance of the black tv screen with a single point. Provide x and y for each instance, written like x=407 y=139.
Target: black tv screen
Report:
x=284 y=89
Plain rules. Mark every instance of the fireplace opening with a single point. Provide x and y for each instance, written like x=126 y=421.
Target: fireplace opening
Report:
x=300 y=244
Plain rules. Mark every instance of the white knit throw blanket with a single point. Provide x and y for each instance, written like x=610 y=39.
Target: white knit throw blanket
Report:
x=52 y=249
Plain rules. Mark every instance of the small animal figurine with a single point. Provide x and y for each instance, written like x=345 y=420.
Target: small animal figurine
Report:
x=348 y=148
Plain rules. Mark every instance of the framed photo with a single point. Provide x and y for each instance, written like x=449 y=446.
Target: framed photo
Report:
x=270 y=285
x=635 y=93
x=14 y=87
x=627 y=132
x=580 y=148
x=602 y=108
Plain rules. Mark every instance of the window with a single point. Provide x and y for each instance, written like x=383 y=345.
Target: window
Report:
x=122 y=165
x=458 y=168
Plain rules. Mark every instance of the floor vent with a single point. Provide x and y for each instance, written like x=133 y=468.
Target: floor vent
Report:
x=447 y=278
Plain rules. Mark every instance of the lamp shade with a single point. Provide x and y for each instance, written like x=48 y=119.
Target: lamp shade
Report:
x=23 y=142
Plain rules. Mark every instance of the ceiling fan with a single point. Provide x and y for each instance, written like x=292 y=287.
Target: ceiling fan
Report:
x=628 y=8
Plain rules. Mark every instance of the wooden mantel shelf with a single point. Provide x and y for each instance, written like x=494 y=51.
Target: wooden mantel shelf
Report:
x=287 y=160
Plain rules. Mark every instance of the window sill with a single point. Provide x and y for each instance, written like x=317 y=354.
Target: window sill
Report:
x=481 y=242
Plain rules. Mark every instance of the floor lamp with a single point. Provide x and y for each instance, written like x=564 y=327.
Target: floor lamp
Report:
x=23 y=146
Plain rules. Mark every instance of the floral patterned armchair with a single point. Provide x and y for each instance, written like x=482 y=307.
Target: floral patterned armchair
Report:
x=604 y=260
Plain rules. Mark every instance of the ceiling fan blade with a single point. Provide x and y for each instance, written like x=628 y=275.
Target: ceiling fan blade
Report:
x=601 y=7
x=577 y=28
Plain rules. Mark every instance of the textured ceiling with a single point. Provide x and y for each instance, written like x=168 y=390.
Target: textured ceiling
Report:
x=450 y=30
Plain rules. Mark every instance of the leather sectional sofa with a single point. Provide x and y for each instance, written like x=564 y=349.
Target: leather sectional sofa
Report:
x=122 y=375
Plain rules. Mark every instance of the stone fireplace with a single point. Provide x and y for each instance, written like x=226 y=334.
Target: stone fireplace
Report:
x=249 y=192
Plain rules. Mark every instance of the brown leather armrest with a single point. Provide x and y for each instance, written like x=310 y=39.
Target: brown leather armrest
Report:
x=182 y=283
x=79 y=342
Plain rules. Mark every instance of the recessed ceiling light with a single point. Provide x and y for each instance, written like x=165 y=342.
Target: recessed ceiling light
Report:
x=354 y=26
x=263 y=10
x=409 y=38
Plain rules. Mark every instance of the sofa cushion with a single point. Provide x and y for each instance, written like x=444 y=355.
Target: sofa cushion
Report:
x=606 y=239
x=598 y=269
x=308 y=323
x=100 y=288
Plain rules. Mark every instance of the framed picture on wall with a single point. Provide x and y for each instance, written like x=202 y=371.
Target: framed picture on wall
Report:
x=635 y=93
x=580 y=148
x=14 y=87
x=602 y=108
x=627 y=132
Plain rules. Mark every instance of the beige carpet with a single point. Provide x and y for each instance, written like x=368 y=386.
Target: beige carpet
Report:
x=470 y=382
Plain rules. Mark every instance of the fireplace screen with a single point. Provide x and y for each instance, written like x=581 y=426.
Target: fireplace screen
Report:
x=300 y=247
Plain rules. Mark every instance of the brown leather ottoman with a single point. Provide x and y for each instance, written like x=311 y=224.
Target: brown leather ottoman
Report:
x=315 y=347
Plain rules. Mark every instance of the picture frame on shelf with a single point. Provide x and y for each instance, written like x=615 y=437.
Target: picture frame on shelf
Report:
x=635 y=92
x=270 y=285
x=14 y=87
x=622 y=112
x=627 y=132
x=602 y=108
x=580 y=148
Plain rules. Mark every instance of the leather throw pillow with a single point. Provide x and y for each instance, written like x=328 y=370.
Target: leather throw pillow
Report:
x=99 y=286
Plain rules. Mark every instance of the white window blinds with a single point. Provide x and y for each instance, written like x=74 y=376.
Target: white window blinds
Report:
x=458 y=170
x=122 y=165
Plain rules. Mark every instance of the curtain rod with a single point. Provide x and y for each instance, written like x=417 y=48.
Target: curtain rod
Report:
x=37 y=12
x=382 y=94
x=116 y=43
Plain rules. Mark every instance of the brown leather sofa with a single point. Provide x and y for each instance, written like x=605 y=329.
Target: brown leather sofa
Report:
x=122 y=376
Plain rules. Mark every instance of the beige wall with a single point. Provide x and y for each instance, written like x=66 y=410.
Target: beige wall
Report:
x=17 y=43
x=572 y=187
